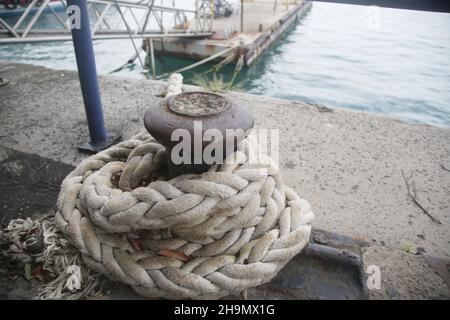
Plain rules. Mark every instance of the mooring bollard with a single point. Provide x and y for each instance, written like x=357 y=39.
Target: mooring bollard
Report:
x=197 y=228
x=197 y=116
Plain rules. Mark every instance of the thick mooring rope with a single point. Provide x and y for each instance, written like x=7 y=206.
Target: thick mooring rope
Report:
x=195 y=236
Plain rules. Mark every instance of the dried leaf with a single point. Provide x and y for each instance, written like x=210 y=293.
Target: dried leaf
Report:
x=174 y=254
x=37 y=271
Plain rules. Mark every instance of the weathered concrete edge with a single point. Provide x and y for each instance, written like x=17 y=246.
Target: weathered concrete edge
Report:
x=236 y=94
x=298 y=103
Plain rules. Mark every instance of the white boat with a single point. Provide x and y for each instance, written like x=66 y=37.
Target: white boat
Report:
x=12 y=8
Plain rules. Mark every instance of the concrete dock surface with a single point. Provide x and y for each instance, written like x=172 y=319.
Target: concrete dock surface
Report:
x=351 y=166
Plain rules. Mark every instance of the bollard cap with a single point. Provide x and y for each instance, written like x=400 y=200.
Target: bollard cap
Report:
x=202 y=110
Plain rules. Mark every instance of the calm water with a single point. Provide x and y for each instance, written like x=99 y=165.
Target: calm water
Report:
x=400 y=67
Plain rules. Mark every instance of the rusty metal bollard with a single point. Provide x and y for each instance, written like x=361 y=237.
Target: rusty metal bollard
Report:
x=197 y=112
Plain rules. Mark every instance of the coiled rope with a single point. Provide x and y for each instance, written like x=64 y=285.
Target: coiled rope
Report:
x=194 y=236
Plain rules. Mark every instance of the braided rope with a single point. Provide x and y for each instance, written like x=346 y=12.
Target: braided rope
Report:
x=195 y=236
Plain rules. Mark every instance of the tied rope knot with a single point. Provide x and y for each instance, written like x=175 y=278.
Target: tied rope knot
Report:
x=195 y=236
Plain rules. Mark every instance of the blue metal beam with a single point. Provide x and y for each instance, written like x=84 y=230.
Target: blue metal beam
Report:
x=84 y=52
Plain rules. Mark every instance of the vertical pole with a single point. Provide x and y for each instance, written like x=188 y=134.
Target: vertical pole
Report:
x=152 y=58
x=196 y=16
x=84 y=52
x=242 y=15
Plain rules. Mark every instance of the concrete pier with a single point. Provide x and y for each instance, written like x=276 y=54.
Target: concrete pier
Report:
x=263 y=24
x=347 y=164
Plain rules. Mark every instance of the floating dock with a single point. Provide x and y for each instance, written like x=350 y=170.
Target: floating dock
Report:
x=263 y=22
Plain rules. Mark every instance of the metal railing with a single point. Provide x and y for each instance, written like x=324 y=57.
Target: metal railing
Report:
x=110 y=19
